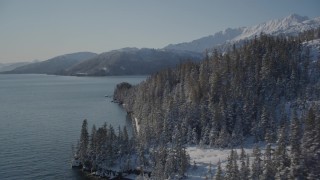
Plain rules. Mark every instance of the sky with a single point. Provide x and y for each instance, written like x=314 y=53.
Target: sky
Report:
x=42 y=29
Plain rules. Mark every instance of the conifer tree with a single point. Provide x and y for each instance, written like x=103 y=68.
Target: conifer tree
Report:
x=229 y=167
x=295 y=142
x=264 y=123
x=194 y=136
x=268 y=168
x=316 y=169
x=281 y=158
x=93 y=148
x=244 y=166
x=310 y=146
x=212 y=137
x=170 y=167
x=232 y=171
x=84 y=142
x=235 y=165
x=219 y=174
x=189 y=135
x=237 y=134
x=247 y=168
x=256 y=164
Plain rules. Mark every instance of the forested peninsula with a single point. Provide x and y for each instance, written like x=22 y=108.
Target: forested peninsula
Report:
x=267 y=90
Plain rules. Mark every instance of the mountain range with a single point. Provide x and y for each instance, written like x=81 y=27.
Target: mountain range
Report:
x=11 y=66
x=134 y=61
x=131 y=61
x=54 y=65
x=290 y=25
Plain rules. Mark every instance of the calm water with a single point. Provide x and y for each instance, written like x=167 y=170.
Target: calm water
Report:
x=41 y=117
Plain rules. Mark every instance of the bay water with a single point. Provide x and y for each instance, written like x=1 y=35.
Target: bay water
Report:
x=41 y=118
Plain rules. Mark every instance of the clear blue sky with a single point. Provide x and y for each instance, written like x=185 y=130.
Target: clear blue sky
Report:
x=41 y=29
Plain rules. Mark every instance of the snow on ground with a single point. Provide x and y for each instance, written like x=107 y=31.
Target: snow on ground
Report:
x=200 y=160
x=131 y=176
x=203 y=157
x=314 y=46
x=137 y=125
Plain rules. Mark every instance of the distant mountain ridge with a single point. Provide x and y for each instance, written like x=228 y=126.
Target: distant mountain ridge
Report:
x=131 y=61
x=54 y=65
x=290 y=25
x=11 y=66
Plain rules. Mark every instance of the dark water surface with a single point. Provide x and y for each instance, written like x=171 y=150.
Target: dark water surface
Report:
x=41 y=117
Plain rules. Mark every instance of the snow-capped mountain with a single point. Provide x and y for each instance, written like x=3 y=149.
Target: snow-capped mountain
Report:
x=291 y=25
x=199 y=45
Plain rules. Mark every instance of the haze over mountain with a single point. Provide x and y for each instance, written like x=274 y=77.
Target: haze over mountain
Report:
x=11 y=66
x=290 y=25
x=131 y=61
x=54 y=65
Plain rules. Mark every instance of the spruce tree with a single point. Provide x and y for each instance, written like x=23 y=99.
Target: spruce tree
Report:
x=235 y=166
x=268 y=167
x=257 y=163
x=232 y=171
x=194 y=136
x=229 y=167
x=244 y=166
x=295 y=142
x=93 y=148
x=84 y=142
x=170 y=167
x=219 y=174
x=310 y=146
x=281 y=158
x=212 y=137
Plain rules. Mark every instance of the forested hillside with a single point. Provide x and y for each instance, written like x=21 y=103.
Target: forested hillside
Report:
x=251 y=91
x=244 y=92
x=268 y=89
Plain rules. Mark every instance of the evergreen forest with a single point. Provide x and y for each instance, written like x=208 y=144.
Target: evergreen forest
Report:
x=267 y=90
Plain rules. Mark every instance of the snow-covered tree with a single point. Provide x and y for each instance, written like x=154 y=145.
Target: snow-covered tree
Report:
x=232 y=170
x=84 y=143
x=310 y=145
x=257 y=163
x=269 y=170
x=244 y=171
x=281 y=159
x=219 y=174
x=194 y=136
x=296 y=169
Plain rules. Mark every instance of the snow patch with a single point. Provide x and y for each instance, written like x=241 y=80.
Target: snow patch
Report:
x=137 y=124
x=201 y=158
x=314 y=46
